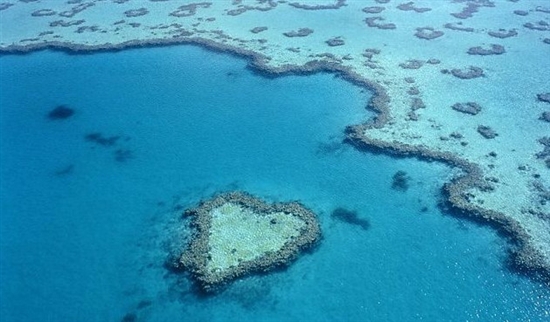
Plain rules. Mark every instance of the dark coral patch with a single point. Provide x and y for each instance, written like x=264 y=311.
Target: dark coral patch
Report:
x=256 y=30
x=373 y=9
x=99 y=139
x=61 y=112
x=337 y=5
x=123 y=155
x=43 y=13
x=188 y=10
x=544 y=97
x=5 y=5
x=503 y=33
x=471 y=108
x=428 y=33
x=487 y=132
x=409 y=6
x=539 y=25
x=302 y=32
x=412 y=64
x=458 y=26
x=472 y=6
x=494 y=50
x=350 y=217
x=400 y=181
x=333 y=42
x=468 y=73
x=375 y=22
x=136 y=12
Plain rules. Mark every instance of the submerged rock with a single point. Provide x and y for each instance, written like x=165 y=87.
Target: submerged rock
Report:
x=238 y=234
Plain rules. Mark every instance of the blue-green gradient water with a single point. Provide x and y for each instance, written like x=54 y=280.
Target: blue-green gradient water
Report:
x=85 y=230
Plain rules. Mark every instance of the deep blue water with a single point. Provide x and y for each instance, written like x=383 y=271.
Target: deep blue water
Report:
x=85 y=229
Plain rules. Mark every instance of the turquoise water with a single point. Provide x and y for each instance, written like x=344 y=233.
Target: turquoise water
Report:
x=84 y=234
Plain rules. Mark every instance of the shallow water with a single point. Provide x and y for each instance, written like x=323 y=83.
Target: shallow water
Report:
x=85 y=229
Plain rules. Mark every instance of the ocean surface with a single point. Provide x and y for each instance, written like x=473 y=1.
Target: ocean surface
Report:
x=91 y=205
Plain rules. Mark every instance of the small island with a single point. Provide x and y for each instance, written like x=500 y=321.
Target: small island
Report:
x=237 y=234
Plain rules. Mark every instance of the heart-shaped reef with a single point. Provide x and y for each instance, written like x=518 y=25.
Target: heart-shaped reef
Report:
x=237 y=234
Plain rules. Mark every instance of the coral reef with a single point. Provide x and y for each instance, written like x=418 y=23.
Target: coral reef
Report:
x=487 y=132
x=412 y=64
x=539 y=25
x=409 y=6
x=350 y=217
x=467 y=73
x=76 y=9
x=302 y=32
x=256 y=30
x=374 y=9
x=5 y=5
x=503 y=33
x=544 y=97
x=238 y=234
x=468 y=108
x=61 y=112
x=471 y=8
x=333 y=42
x=458 y=26
x=99 y=139
x=375 y=22
x=136 y=12
x=190 y=9
x=494 y=50
x=337 y=5
x=428 y=33
x=43 y=13
x=400 y=181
